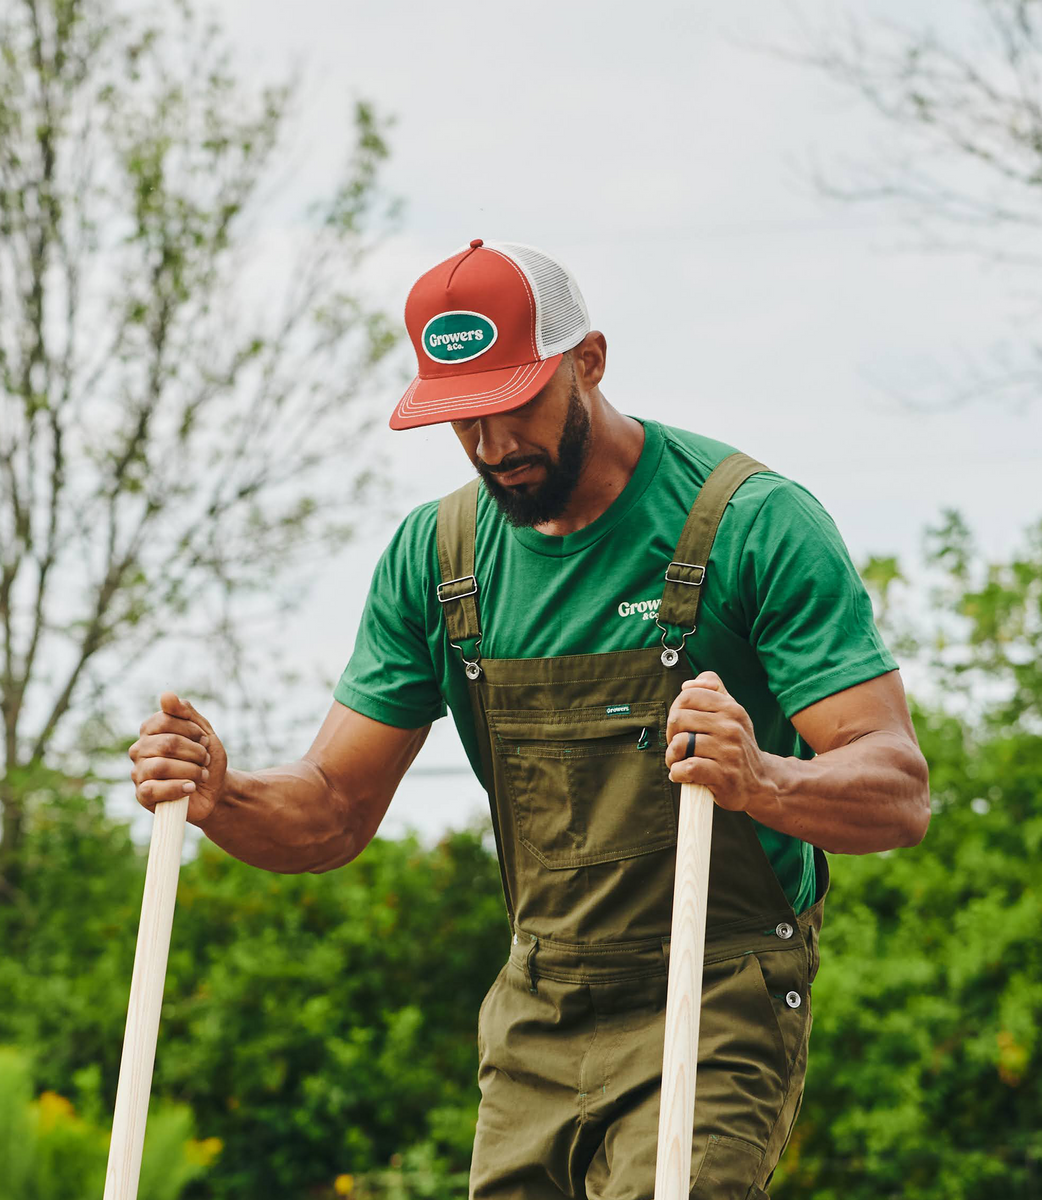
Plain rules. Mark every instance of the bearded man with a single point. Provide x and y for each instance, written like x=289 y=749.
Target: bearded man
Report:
x=615 y=607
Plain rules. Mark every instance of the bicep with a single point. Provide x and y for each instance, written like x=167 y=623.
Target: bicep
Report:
x=364 y=761
x=875 y=706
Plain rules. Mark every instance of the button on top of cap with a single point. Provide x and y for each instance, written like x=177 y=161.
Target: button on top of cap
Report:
x=476 y=243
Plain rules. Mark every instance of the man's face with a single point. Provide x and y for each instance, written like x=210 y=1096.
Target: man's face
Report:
x=530 y=459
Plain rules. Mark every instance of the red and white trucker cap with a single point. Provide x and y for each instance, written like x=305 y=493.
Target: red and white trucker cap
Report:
x=489 y=326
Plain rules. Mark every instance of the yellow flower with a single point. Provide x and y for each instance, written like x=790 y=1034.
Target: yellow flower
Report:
x=54 y=1108
x=1013 y=1058
x=203 y=1153
x=344 y=1185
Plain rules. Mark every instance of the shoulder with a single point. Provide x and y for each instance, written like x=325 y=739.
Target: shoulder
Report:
x=419 y=529
x=412 y=557
x=782 y=503
x=693 y=457
x=692 y=453
x=409 y=560
x=413 y=536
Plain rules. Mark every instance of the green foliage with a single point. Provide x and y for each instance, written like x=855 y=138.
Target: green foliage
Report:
x=320 y=1028
x=49 y=1151
x=976 y=625
x=926 y=1062
x=324 y=1023
x=316 y=1025
x=925 y=1077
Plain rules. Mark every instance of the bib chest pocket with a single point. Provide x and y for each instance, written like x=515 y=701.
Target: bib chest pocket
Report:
x=587 y=785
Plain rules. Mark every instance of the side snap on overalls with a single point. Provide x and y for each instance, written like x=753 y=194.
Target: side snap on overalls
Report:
x=570 y=1035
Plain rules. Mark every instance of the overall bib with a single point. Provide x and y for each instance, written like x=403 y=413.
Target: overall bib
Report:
x=570 y=1035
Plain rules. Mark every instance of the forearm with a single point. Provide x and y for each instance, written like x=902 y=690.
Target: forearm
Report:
x=288 y=819
x=869 y=795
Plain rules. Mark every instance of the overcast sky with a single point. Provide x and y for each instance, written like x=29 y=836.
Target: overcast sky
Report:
x=659 y=156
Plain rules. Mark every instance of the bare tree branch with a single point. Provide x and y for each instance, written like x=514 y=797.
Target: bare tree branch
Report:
x=173 y=440
x=962 y=161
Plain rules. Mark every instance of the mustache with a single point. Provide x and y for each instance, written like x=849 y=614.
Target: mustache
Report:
x=515 y=464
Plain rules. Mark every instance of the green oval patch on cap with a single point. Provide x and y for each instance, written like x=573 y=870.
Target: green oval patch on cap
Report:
x=456 y=337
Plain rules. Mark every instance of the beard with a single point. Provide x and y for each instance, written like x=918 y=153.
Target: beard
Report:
x=527 y=505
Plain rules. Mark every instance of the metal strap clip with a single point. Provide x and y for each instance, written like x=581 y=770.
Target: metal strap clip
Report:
x=460 y=595
x=691 y=567
x=471 y=666
x=671 y=654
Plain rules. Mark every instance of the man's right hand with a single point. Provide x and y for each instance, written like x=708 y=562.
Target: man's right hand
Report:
x=178 y=754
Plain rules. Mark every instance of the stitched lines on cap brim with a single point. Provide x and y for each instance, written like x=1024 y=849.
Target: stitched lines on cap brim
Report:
x=516 y=383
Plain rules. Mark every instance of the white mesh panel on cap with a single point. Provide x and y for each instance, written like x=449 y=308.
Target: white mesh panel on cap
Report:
x=561 y=320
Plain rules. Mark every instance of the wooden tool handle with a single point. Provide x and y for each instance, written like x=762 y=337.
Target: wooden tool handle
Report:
x=146 y=1000
x=684 y=994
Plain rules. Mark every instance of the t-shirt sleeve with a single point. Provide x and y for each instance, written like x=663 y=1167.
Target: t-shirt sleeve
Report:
x=390 y=676
x=809 y=616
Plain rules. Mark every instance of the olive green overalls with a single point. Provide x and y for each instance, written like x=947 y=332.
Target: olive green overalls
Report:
x=570 y=1035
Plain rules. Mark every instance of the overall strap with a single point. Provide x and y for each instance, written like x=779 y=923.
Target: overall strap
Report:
x=686 y=575
x=458 y=590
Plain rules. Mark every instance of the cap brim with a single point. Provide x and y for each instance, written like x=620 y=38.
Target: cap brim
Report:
x=463 y=397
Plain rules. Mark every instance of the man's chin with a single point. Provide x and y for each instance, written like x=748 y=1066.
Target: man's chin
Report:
x=523 y=505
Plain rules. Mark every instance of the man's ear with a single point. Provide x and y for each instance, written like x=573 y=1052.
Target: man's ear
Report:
x=589 y=358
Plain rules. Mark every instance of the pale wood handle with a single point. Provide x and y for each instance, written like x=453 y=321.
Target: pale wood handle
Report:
x=684 y=994
x=146 y=1000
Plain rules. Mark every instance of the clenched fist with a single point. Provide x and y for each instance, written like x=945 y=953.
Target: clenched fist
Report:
x=178 y=753
x=724 y=754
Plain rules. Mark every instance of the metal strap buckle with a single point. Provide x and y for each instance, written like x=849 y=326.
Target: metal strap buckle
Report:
x=691 y=567
x=462 y=595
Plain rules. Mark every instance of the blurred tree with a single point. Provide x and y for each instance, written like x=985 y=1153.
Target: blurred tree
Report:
x=925 y=1078
x=49 y=1150
x=183 y=405
x=974 y=625
x=960 y=95
x=319 y=1026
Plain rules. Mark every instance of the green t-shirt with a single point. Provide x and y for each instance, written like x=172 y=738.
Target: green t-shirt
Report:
x=784 y=620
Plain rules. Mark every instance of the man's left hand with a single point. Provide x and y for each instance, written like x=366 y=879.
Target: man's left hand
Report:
x=726 y=758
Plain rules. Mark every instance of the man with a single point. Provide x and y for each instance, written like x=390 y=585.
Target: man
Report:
x=616 y=608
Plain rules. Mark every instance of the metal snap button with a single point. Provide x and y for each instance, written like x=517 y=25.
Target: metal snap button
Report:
x=783 y=929
x=670 y=657
x=793 y=1000
x=473 y=670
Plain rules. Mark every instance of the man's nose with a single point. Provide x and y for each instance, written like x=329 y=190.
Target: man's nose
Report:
x=495 y=441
